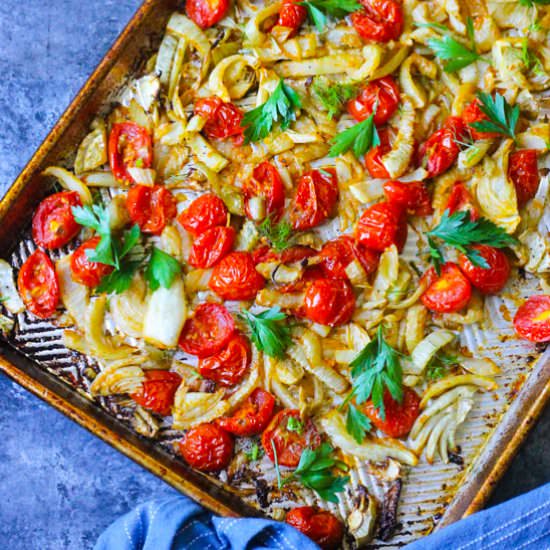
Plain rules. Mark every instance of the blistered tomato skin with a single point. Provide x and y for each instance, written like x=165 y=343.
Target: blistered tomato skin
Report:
x=252 y=417
x=292 y=16
x=382 y=95
x=532 y=320
x=84 y=271
x=460 y=200
x=490 y=280
x=471 y=114
x=223 y=119
x=447 y=293
x=206 y=13
x=524 y=173
x=322 y=527
x=151 y=207
x=411 y=196
x=211 y=246
x=203 y=213
x=379 y=21
x=207 y=447
x=130 y=146
x=382 y=225
x=373 y=159
x=266 y=183
x=158 y=390
x=329 y=302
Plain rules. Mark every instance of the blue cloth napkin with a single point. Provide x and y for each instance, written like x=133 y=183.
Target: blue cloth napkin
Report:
x=180 y=524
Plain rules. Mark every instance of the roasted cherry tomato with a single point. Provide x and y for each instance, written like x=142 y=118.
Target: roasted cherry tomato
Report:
x=440 y=150
x=380 y=21
x=399 y=417
x=151 y=207
x=38 y=286
x=292 y=16
x=288 y=256
x=449 y=292
x=211 y=246
x=157 y=391
x=329 y=302
x=203 y=213
x=532 y=320
x=207 y=447
x=227 y=367
x=322 y=527
x=382 y=95
x=223 y=119
x=460 y=200
x=493 y=279
x=208 y=331
x=83 y=270
x=316 y=196
x=472 y=113
x=253 y=415
x=130 y=146
x=288 y=444
x=266 y=185
x=411 y=196
x=340 y=252
x=373 y=159
x=523 y=171
x=368 y=258
x=382 y=225
x=235 y=277
x=206 y=13
x=53 y=223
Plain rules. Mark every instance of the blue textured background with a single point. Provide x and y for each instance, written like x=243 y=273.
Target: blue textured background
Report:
x=59 y=485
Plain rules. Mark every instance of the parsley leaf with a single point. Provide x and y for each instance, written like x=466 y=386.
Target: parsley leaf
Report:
x=268 y=330
x=436 y=256
x=279 y=235
x=439 y=365
x=294 y=425
x=531 y=3
x=119 y=280
x=333 y=96
x=254 y=453
x=360 y=138
x=357 y=424
x=502 y=116
x=161 y=270
x=455 y=53
x=280 y=107
x=319 y=9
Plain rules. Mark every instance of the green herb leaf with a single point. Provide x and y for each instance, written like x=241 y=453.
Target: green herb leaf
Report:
x=254 y=453
x=319 y=9
x=279 y=235
x=357 y=424
x=531 y=3
x=434 y=26
x=161 y=270
x=455 y=53
x=294 y=425
x=471 y=33
x=502 y=116
x=280 y=107
x=439 y=366
x=360 y=138
x=269 y=330
x=333 y=95
x=120 y=279
x=277 y=469
x=94 y=216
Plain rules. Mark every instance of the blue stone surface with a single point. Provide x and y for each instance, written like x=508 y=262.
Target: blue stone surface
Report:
x=59 y=485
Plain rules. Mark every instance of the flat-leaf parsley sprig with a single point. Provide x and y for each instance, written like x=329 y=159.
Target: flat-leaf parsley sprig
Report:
x=503 y=118
x=318 y=10
x=161 y=270
x=360 y=138
x=269 y=330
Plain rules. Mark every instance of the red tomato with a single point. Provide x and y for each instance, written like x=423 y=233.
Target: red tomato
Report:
x=157 y=391
x=322 y=527
x=399 y=417
x=369 y=258
x=411 y=196
x=472 y=113
x=253 y=415
x=493 y=279
x=329 y=302
x=382 y=95
x=532 y=320
x=382 y=225
x=207 y=448
x=446 y=293
x=83 y=270
x=130 y=146
x=151 y=207
x=211 y=246
x=373 y=159
x=288 y=256
x=292 y=16
x=53 y=223
x=461 y=200
x=524 y=173
x=289 y=445
x=208 y=331
x=223 y=120
x=38 y=286
x=316 y=196
x=206 y=13
x=267 y=184
x=235 y=277
x=340 y=252
x=203 y=213
x=227 y=367
x=380 y=21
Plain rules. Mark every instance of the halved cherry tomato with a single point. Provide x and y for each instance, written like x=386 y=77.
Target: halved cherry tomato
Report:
x=38 y=286
x=532 y=320
x=380 y=21
x=292 y=16
x=373 y=159
x=340 y=252
x=253 y=415
x=227 y=367
x=208 y=331
x=288 y=256
x=322 y=527
x=157 y=391
x=206 y=13
x=84 y=271
x=211 y=246
x=411 y=196
x=130 y=146
x=399 y=417
x=472 y=113
x=329 y=302
x=449 y=292
x=368 y=258
x=223 y=119
x=235 y=277
x=289 y=445
x=316 y=196
x=151 y=207
x=203 y=213
x=493 y=279
x=207 y=448
x=382 y=95
x=382 y=225
x=53 y=223
x=460 y=200
x=524 y=173
x=266 y=183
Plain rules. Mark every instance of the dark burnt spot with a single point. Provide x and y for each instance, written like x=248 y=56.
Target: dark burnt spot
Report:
x=388 y=516
x=541 y=346
x=262 y=492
